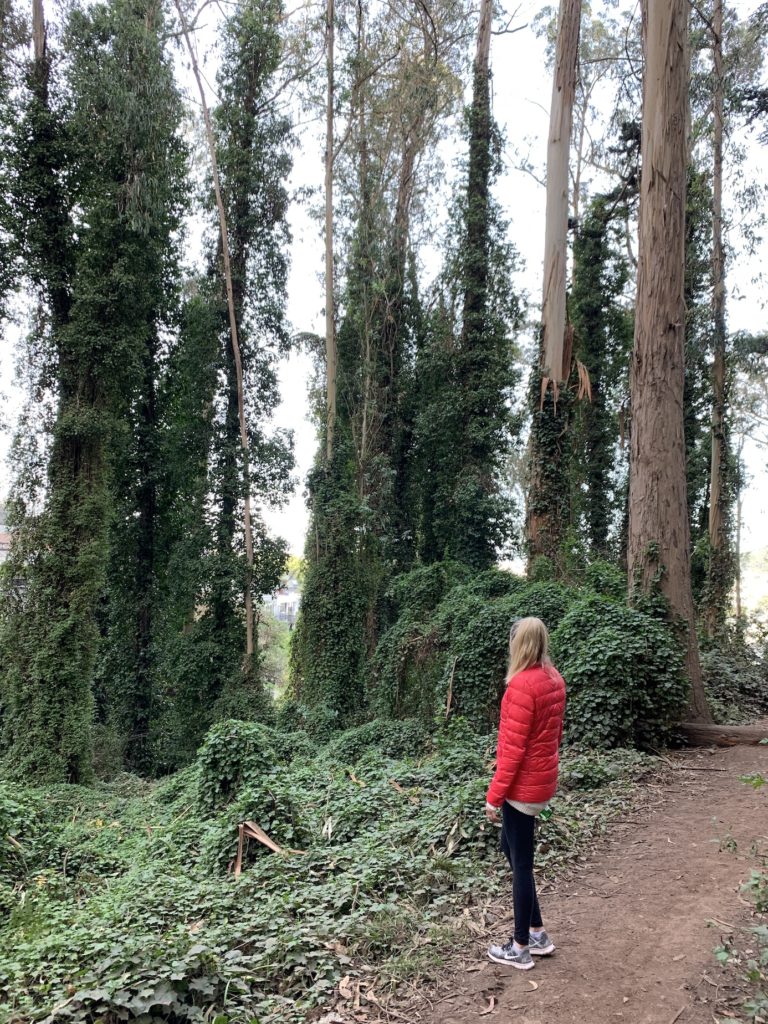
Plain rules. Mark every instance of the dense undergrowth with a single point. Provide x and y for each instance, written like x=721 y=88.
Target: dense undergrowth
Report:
x=117 y=903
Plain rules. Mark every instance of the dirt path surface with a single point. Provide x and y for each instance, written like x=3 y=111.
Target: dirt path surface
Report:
x=636 y=926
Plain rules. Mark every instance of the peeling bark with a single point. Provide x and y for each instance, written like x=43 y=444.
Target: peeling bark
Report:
x=558 y=153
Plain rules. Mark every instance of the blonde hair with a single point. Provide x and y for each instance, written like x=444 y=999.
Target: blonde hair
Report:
x=528 y=645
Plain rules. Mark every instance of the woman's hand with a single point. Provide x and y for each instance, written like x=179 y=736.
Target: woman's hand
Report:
x=492 y=813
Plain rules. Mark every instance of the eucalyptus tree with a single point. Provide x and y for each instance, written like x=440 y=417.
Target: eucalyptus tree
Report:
x=659 y=539
x=397 y=77
x=547 y=515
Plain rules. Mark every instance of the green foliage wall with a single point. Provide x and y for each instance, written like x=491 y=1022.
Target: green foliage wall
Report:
x=459 y=645
x=624 y=675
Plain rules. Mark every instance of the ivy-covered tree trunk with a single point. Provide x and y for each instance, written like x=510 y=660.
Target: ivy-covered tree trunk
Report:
x=464 y=374
x=362 y=496
x=50 y=631
x=659 y=540
x=602 y=343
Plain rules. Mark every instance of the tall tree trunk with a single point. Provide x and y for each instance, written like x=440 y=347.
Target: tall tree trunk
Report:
x=556 y=227
x=659 y=539
x=547 y=512
x=330 y=328
x=249 y=618
x=719 y=572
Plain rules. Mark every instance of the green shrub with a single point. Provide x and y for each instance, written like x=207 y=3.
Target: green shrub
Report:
x=475 y=671
x=404 y=738
x=18 y=818
x=238 y=754
x=289 y=714
x=542 y=570
x=606 y=578
x=547 y=601
x=496 y=583
x=234 y=754
x=405 y=669
x=462 y=647
x=593 y=769
x=624 y=675
x=736 y=681
x=418 y=592
x=290 y=745
x=274 y=802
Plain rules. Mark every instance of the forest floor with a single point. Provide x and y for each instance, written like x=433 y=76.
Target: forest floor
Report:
x=637 y=924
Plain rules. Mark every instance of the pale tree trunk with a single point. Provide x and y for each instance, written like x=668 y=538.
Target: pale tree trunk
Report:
x=547 y=505
x=330 y=329
x=38 y=29
x=249 y=618
x=718 y=538
x=556 y=228
x=659 y=540
x=483 y=51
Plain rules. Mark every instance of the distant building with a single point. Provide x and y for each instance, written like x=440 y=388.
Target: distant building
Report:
x=284 y=603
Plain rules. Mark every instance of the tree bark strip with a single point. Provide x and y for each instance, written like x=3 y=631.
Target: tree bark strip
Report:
x=659 y=536
x=558 y=153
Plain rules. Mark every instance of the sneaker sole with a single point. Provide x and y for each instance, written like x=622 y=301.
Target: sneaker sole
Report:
x=546 y=951
x=511 y=963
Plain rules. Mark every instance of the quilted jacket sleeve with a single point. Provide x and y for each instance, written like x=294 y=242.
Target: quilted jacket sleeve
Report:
x=517 y=713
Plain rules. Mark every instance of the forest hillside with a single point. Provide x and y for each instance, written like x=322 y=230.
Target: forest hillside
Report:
x=217 y=808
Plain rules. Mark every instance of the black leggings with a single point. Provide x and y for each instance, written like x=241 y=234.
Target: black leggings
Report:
x=517 y=845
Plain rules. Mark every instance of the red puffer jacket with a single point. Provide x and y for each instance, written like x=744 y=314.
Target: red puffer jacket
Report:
x=530 y=732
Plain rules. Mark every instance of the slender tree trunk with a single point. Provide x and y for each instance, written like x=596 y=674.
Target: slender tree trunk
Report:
x=659 y=536
x=556 y=228
x=330 y=328
x=719 y=570
x=547 y=511
x=249 y=621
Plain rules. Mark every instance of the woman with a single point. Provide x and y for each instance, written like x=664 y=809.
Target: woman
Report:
x=525 y=780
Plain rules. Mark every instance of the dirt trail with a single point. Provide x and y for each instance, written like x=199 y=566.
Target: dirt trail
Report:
x=631 y=927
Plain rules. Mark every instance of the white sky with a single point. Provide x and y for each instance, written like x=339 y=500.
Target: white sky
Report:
x=521 y=89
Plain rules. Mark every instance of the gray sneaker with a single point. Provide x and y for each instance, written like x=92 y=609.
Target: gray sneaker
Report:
x=541 y=944
x=520 y=958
